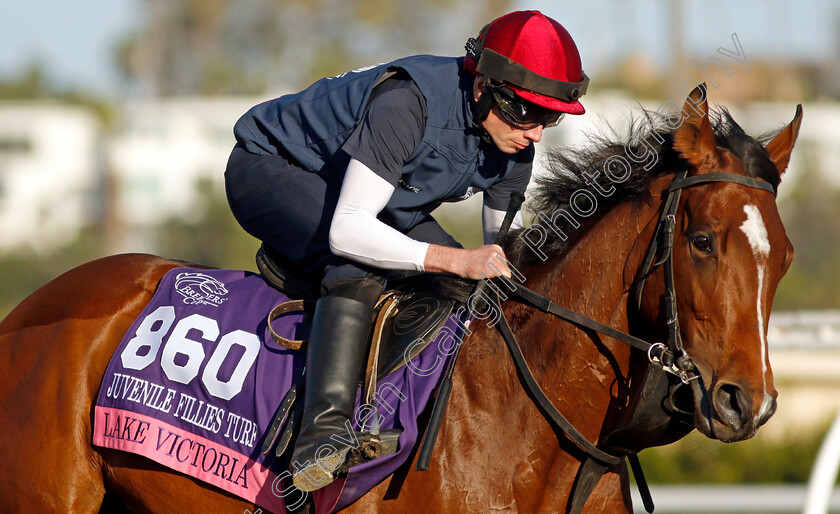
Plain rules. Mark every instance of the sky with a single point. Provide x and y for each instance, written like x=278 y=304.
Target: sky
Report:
x=75 y=40
x=790 y=29
x=804 y=29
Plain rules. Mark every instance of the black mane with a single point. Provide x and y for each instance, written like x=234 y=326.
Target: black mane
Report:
x=648 y=135
x=566 y=169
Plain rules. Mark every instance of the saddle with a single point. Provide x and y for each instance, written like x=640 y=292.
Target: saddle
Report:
x=406 y=319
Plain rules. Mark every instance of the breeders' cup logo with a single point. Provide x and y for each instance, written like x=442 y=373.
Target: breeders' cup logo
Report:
x=200 y=289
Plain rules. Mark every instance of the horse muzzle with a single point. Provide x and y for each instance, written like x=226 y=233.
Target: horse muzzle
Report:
x=727 y=411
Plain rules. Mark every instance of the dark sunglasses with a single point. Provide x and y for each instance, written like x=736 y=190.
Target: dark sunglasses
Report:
x=523 y=114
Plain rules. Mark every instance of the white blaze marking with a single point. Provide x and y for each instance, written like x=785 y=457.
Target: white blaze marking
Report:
x=756 y=234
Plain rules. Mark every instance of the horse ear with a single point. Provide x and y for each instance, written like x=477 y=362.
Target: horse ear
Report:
x=780 y=147
x=694 y=138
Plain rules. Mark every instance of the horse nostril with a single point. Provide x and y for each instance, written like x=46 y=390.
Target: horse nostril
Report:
x=732 y=405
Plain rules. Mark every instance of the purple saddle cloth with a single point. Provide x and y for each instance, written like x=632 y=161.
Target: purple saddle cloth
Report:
x=196 y=381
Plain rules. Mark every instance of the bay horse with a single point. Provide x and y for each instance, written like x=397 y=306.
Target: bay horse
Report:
x=496 y=451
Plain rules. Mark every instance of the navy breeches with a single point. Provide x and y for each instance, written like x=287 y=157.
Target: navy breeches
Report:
x=290 y=209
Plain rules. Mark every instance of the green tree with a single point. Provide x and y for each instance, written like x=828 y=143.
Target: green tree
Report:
x=22 y=273
x=34 y=83
x=765 y=460
x=214 y=240
x=811 y=213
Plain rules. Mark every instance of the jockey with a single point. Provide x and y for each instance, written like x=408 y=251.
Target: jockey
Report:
x=340 y=180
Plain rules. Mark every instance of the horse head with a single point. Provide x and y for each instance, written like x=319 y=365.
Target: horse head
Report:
x=730 y=251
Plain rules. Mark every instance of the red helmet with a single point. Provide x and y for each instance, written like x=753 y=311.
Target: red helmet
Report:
x=533 y=55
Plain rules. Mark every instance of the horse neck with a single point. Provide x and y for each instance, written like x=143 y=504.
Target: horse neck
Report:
x=596 y=273
x=577 y=372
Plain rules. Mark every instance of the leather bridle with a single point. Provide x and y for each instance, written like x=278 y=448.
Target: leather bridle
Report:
x=676 y=360
x=672 y=357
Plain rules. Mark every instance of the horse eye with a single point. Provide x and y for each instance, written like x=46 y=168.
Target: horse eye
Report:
x=702 y=243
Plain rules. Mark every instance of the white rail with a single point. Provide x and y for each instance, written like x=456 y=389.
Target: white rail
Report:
x=805 y=329
x=731 y=499
x=824 y=472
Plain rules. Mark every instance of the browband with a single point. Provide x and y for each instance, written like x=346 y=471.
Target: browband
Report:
x=722 y=177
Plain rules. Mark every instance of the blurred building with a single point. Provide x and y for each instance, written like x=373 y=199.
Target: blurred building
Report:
x=817 y=148
x=50 y=174
x=59 y=171
x=161 y=153
x=805 y=357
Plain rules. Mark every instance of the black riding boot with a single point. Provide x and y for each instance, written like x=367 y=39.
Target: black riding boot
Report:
x=335 y=352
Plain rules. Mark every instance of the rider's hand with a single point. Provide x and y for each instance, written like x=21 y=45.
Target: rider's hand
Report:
x=475 y=263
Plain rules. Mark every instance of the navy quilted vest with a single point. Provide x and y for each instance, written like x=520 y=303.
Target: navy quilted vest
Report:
x=449 y=164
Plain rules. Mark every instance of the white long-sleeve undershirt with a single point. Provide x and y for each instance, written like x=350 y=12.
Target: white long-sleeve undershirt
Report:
x=357 y=234
x=491 y=220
